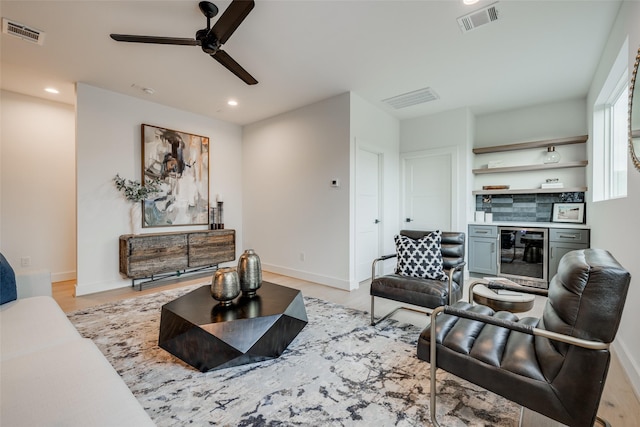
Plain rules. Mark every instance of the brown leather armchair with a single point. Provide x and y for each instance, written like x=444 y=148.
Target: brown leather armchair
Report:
x=556 y=365
x=427 y=293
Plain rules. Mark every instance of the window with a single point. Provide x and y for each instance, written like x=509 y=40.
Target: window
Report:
x=610 y=133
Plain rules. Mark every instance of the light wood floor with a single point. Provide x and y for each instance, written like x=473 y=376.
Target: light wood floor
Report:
x=619 y=404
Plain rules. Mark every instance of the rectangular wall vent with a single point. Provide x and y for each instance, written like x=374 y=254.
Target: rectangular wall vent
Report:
x=408 y=99
x=479 y=17
x=22 y=31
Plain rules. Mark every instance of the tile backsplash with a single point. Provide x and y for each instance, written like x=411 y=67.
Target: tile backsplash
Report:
x=534 y=207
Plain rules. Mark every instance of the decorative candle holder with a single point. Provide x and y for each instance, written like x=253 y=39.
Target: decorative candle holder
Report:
x=219 y=221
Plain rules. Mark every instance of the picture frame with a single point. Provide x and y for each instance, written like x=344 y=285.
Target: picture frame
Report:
x=180 y=162
x=568 y=212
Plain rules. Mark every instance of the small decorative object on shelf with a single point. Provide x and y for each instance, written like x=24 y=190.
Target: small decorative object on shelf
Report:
x=250 y=272
x=225 y=285
x=552 y=183
x=215 y=215
x=212 y=218
x=552 y=155
x=220 y=222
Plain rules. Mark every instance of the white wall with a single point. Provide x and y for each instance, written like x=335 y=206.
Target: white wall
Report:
x=377 y=131
x=290 y=210
x=613 y=221
x=108 y=142
x=534 y=123
x=449 y=129
x=37 y=175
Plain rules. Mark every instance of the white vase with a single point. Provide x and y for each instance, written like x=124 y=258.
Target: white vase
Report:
x=136 y=217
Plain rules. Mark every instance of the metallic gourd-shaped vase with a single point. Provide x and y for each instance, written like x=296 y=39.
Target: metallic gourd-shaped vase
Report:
x=225 y=285
x=250 y=272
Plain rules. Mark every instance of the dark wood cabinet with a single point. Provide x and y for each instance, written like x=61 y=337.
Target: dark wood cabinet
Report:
x=146 y=255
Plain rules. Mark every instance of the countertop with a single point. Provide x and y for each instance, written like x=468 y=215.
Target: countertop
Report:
x=533 y=224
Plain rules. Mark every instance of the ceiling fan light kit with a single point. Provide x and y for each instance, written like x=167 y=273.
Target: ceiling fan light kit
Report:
x=210 y=39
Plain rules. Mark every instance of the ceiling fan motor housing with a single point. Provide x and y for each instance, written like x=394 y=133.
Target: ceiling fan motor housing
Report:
x=210 y=44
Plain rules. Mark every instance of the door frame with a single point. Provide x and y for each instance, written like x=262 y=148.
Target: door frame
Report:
x=453 y=154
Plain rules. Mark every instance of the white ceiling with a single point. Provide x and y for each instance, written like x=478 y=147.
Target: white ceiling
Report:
x=302 y=51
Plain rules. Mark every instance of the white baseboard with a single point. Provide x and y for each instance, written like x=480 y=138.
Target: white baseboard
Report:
x=629 y=366
x=61 y=276
x=101 y=287
x=311 y=277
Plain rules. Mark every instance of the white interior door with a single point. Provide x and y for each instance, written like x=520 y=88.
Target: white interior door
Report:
x=428 y=188
x=367 y=211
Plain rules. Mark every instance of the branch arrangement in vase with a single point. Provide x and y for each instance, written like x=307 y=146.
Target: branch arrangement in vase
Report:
x=134 y=191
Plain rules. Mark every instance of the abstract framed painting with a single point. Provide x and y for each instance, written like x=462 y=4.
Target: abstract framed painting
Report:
x=180 y=162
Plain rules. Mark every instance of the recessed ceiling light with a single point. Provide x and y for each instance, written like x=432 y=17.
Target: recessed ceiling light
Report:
x=52 y=90
x=232 y=102
x=470 y=2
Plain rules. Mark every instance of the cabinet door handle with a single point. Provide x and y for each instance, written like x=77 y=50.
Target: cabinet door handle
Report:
x=569 y=236
x=482 y=232
x=493 y=247
x=551 y=252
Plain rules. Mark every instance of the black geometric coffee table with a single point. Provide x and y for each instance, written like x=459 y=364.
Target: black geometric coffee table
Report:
x=208 y=336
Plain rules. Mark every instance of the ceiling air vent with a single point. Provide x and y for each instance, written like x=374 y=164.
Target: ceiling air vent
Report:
x=22 y=31
x=478 y=18
x=408 y=99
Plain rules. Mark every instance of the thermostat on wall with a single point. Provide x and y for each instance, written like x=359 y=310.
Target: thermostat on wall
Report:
x=335 y=183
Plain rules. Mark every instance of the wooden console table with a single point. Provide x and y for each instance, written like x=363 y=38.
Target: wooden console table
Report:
x=151 y=257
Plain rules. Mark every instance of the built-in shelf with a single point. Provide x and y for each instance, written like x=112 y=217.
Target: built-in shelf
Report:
x=532 y=190
x=576 y=164
x=533 y=144
x=527 y=145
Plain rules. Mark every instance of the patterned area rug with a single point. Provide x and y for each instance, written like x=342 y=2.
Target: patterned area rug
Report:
x=339 y=371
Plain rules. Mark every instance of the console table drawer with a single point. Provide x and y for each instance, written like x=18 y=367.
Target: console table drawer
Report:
x=143 y=256
x=208 y=249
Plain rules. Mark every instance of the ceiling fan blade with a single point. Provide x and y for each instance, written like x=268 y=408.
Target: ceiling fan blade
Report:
x=228 y=62
x=155 y=40
x=231 y=19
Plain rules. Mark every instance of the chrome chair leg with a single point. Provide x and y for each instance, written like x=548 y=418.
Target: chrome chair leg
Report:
x=433 y=365
x=374 y=322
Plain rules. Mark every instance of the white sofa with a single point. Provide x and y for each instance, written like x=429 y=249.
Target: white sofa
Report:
x=50 y=375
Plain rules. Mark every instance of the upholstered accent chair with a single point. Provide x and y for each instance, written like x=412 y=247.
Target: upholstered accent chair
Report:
x=418 y=291
x=555 y=365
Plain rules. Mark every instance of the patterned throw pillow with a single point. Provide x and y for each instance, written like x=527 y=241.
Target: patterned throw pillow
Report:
x=420 y=258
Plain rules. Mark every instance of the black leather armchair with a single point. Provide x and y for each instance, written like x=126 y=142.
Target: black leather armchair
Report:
x=421 y=292
x=555 y=365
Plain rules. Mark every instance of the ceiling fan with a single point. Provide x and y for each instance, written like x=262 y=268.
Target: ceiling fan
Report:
x=210 y=39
